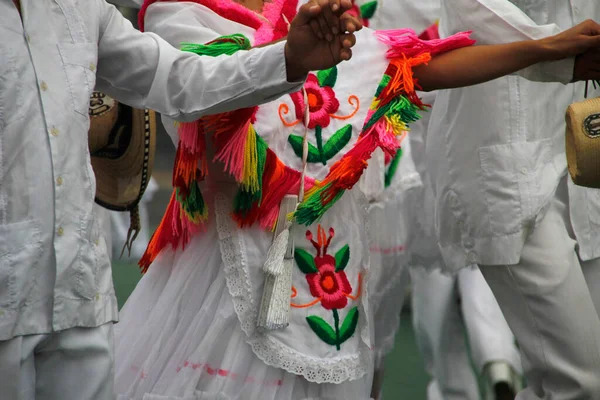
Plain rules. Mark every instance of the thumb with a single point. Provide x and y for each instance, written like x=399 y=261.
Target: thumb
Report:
x=306 y=13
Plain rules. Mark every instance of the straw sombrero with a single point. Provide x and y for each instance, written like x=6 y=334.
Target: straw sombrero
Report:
x=583 y=143
x=122 y=142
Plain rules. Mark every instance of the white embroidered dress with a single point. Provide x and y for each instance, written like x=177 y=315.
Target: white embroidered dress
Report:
x=189 y=329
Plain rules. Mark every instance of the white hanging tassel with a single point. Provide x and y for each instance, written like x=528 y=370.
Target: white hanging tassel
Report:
x=275 y=306
x=274 y=312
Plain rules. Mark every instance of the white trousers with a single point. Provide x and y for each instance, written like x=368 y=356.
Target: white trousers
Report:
x=443 y=324
x=551 y=311
x=75 y=364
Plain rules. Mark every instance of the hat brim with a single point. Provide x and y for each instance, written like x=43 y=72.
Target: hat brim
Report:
x=122 y=178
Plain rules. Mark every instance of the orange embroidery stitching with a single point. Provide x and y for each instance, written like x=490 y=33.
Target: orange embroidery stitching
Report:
x=351 y=100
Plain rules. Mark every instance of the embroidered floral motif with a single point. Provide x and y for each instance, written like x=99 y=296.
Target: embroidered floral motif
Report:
x=322 y=152
x=321 y=103
x=329 y=284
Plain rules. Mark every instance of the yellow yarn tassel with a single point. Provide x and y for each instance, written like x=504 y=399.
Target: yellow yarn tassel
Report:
x=250 y=172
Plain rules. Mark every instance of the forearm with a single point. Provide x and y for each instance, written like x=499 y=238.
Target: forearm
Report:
x=497 y=22
x=477 y=64
x=143 y=70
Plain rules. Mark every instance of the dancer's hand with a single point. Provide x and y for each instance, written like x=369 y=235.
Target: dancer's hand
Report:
x=587 y=66
x=572 y=42
x=320 y=37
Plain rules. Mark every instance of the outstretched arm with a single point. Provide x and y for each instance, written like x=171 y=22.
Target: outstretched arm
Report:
x=473 y=65
x=144 y=71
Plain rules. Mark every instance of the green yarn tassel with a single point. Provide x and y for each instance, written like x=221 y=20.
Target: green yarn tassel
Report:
x=261 y=160
x=391 y=171
x=403 y=107
x=243 y=202
x=313 y=207
x=400 y=105
x=193 y=204
x=228 y=45
x=244 y=199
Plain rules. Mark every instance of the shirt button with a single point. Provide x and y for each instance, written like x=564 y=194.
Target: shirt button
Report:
x=60 y=231
x=44 y=86
x=28 y=38
x=54 y=132
x=524 y=171
x=454 y=201
x=92 y=67
x=59 y=181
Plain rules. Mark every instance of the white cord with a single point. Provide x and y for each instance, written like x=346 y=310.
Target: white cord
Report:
x=305 y=137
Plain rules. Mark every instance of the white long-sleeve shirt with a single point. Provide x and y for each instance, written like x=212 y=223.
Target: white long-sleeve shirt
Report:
x=54 y=268
x=496 y=151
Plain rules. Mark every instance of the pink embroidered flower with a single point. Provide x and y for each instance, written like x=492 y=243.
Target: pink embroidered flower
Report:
x=321 y=103
x=331 y=286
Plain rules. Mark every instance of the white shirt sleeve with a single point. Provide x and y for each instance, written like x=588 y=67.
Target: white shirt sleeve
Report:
x=144 y=71
x=500 y=21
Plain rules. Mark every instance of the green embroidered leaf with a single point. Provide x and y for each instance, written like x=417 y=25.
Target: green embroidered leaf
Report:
x=337 y=142
x=319 y=137
x=322 y=329
x=313 y=152
x=305 y=261
x=341 y=258
x=349 y=325
x=327 y=77
x=367 y=10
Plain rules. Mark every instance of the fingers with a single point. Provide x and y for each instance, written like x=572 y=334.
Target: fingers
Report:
x=323 y=22
x=330 y=17
x=334 y=5
x=316 y=28
x=307 y=12
x=590 y=28
x=345 y=5
x=587 y=65
x=350 y=23
x=348 y=41
x=345 y=54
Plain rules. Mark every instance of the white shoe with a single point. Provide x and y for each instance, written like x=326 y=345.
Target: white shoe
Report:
x=501 y=381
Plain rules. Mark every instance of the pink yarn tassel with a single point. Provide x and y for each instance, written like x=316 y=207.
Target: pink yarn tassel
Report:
x=189 y=135
x=406 y=43
x=232 y=154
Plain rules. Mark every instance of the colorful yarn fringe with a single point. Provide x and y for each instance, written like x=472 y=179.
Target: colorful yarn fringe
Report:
x=262 y=177
x=396 y=104
x=187 y=210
